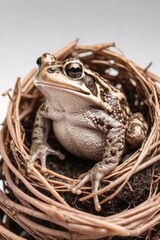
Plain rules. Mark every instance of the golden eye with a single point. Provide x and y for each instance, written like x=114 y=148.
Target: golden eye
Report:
x=74 y=70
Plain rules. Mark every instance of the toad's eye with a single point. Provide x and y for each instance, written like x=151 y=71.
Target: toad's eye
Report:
x=39 y=61
x=74 y=70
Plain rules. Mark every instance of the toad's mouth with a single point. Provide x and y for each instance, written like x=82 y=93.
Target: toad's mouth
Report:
x=65 y=87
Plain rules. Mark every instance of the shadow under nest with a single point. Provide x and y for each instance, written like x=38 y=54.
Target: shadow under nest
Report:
x=135 y=181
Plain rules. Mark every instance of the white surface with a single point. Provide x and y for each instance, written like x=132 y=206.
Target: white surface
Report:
x=30 y=28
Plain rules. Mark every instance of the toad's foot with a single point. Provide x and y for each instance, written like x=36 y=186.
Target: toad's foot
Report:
x=40 y=150
x=94 y=175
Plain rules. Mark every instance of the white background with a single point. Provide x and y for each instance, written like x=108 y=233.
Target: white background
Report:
x=31 y=27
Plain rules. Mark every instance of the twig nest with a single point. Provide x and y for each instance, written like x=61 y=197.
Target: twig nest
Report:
x=42 y=204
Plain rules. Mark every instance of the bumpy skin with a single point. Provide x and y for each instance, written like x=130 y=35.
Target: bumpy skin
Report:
x=90 y=118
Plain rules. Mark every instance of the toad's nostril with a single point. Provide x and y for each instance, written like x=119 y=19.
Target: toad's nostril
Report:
x=39 y=62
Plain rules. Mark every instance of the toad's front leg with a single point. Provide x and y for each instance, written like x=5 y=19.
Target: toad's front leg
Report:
x=113 y=151
x=40 y=149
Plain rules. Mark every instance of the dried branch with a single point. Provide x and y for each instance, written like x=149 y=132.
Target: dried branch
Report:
x=38 y=197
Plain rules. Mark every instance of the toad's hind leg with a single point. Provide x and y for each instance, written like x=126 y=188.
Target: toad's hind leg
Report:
x=137 y=130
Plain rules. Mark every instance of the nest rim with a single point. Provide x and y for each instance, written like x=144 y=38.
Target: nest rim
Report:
x=81 y=225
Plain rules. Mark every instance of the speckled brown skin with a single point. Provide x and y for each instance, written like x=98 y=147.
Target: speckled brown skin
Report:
x=90 y=118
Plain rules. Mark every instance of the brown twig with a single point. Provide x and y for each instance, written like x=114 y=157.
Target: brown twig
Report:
x=31 y=202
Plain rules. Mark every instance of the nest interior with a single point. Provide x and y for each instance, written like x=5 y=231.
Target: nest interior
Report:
x=42 y=204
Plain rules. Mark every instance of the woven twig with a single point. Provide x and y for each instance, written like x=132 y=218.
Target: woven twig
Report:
x=39 y=198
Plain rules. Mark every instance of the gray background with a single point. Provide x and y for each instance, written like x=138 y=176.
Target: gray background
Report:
x=31 y=27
